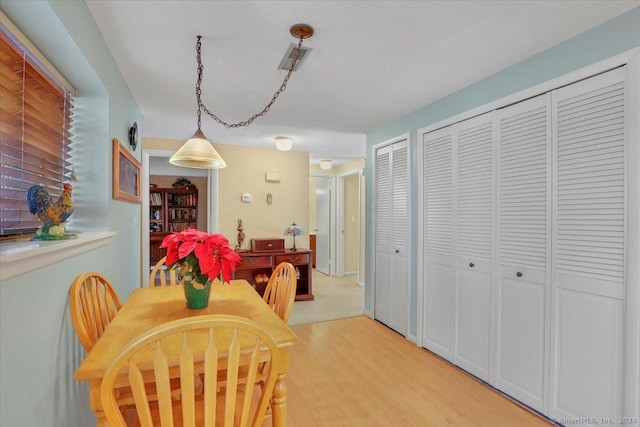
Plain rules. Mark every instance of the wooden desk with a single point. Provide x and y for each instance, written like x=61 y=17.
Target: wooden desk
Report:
x=148 y=307
x=253 y=264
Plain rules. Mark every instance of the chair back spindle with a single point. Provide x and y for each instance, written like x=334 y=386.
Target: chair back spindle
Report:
x=160 y=273
x=93 y=303
x=281 y=290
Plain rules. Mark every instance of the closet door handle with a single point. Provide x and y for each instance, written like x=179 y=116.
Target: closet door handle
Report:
x=397 y=251
x=471 y=264
x=519 y=274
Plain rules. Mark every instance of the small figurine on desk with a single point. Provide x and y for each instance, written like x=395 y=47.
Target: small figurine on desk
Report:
x=54 y=214
x=240 y=235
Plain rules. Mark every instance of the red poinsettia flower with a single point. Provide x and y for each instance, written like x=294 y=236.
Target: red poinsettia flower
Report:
x=216 y=256
x=207 y=255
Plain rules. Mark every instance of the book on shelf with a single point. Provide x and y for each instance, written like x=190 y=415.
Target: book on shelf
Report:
x=183 y=200
x=155 y=199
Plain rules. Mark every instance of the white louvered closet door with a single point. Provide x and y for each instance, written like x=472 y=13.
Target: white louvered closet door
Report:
x=392 y=236
x=383 y=200
x=437 y=210
x=474 y=210
x=523 y=249
x=589 y=245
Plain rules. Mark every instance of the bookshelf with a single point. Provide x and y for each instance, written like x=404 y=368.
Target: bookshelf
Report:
x=170 y=209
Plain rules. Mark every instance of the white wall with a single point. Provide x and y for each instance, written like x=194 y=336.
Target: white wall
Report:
x=40 y=350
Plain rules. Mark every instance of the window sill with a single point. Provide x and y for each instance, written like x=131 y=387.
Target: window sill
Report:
x=23 y=257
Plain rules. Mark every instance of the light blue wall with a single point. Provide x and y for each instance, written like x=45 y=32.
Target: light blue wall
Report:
x=611 y=38
x=39 y=350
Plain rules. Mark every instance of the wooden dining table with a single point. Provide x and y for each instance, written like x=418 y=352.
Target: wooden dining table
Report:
x=149 y=307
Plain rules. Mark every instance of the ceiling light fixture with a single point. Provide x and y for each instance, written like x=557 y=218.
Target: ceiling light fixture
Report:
x=326 y=164
x=198 y=152
x=283 y=143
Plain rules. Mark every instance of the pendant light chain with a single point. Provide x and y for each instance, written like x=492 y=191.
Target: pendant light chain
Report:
x=201 y=106
x=198 y=83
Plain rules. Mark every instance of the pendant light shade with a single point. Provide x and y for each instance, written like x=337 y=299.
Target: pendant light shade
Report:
x=198 y=153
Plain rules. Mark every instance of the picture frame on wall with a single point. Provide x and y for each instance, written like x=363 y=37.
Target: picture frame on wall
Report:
x=126 y=174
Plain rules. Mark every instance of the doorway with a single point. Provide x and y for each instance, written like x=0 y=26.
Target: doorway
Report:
x=321 y=220
x=336 y=219
x=349 y=220
x=156 y=163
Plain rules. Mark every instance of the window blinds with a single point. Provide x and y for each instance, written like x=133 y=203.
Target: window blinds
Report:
x=35 y=135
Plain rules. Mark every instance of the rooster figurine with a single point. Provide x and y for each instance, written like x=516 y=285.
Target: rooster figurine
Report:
x=54 y=214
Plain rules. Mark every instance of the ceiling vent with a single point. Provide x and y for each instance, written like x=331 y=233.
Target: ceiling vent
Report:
x=285 y=64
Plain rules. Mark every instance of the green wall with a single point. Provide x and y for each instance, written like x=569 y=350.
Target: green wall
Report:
x=613 y=37
x=38 y=345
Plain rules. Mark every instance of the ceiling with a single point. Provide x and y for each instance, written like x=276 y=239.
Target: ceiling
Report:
x=371 y=62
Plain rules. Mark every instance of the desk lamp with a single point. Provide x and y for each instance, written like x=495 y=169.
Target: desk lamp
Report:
x=294 y=230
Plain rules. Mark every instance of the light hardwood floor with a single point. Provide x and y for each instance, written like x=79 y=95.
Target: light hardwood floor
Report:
x=357 y=372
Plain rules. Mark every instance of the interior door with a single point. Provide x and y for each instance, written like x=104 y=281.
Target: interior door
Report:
x=392 y=236
x=382 y=230
x=474 y=245
x=524 y=227
x=438 y=241
x=400 y=238
x=323 y=224
x=590 y=248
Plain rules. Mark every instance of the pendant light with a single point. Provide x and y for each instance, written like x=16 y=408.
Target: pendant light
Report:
x=198 y=152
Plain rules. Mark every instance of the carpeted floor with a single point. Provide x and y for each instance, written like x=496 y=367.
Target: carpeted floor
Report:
x=335 y=298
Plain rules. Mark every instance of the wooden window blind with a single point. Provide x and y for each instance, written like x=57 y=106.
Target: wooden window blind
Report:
x=35 y=134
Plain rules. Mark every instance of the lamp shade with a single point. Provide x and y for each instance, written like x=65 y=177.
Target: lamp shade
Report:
x=197 y=153
x=283 y=143
x=293 y=230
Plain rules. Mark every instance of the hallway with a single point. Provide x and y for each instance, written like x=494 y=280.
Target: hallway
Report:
x=335 y=298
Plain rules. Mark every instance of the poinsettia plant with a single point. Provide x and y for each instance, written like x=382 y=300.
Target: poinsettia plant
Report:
x=202 y=255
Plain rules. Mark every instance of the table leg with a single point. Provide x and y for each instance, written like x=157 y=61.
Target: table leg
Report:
x=96 y=403
x=279 y=403
x=279 y=398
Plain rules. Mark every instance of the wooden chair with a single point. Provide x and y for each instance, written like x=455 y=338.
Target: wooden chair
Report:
x=93 y=303
x=281 y=290
x=222 y=347
x=159 y=270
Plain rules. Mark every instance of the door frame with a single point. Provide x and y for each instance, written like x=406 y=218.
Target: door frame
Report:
x=340 y=204
x=410 y=239
x=212 y=212
x=332 y=218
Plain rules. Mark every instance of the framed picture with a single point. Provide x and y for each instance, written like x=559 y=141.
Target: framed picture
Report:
x=126 y=174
